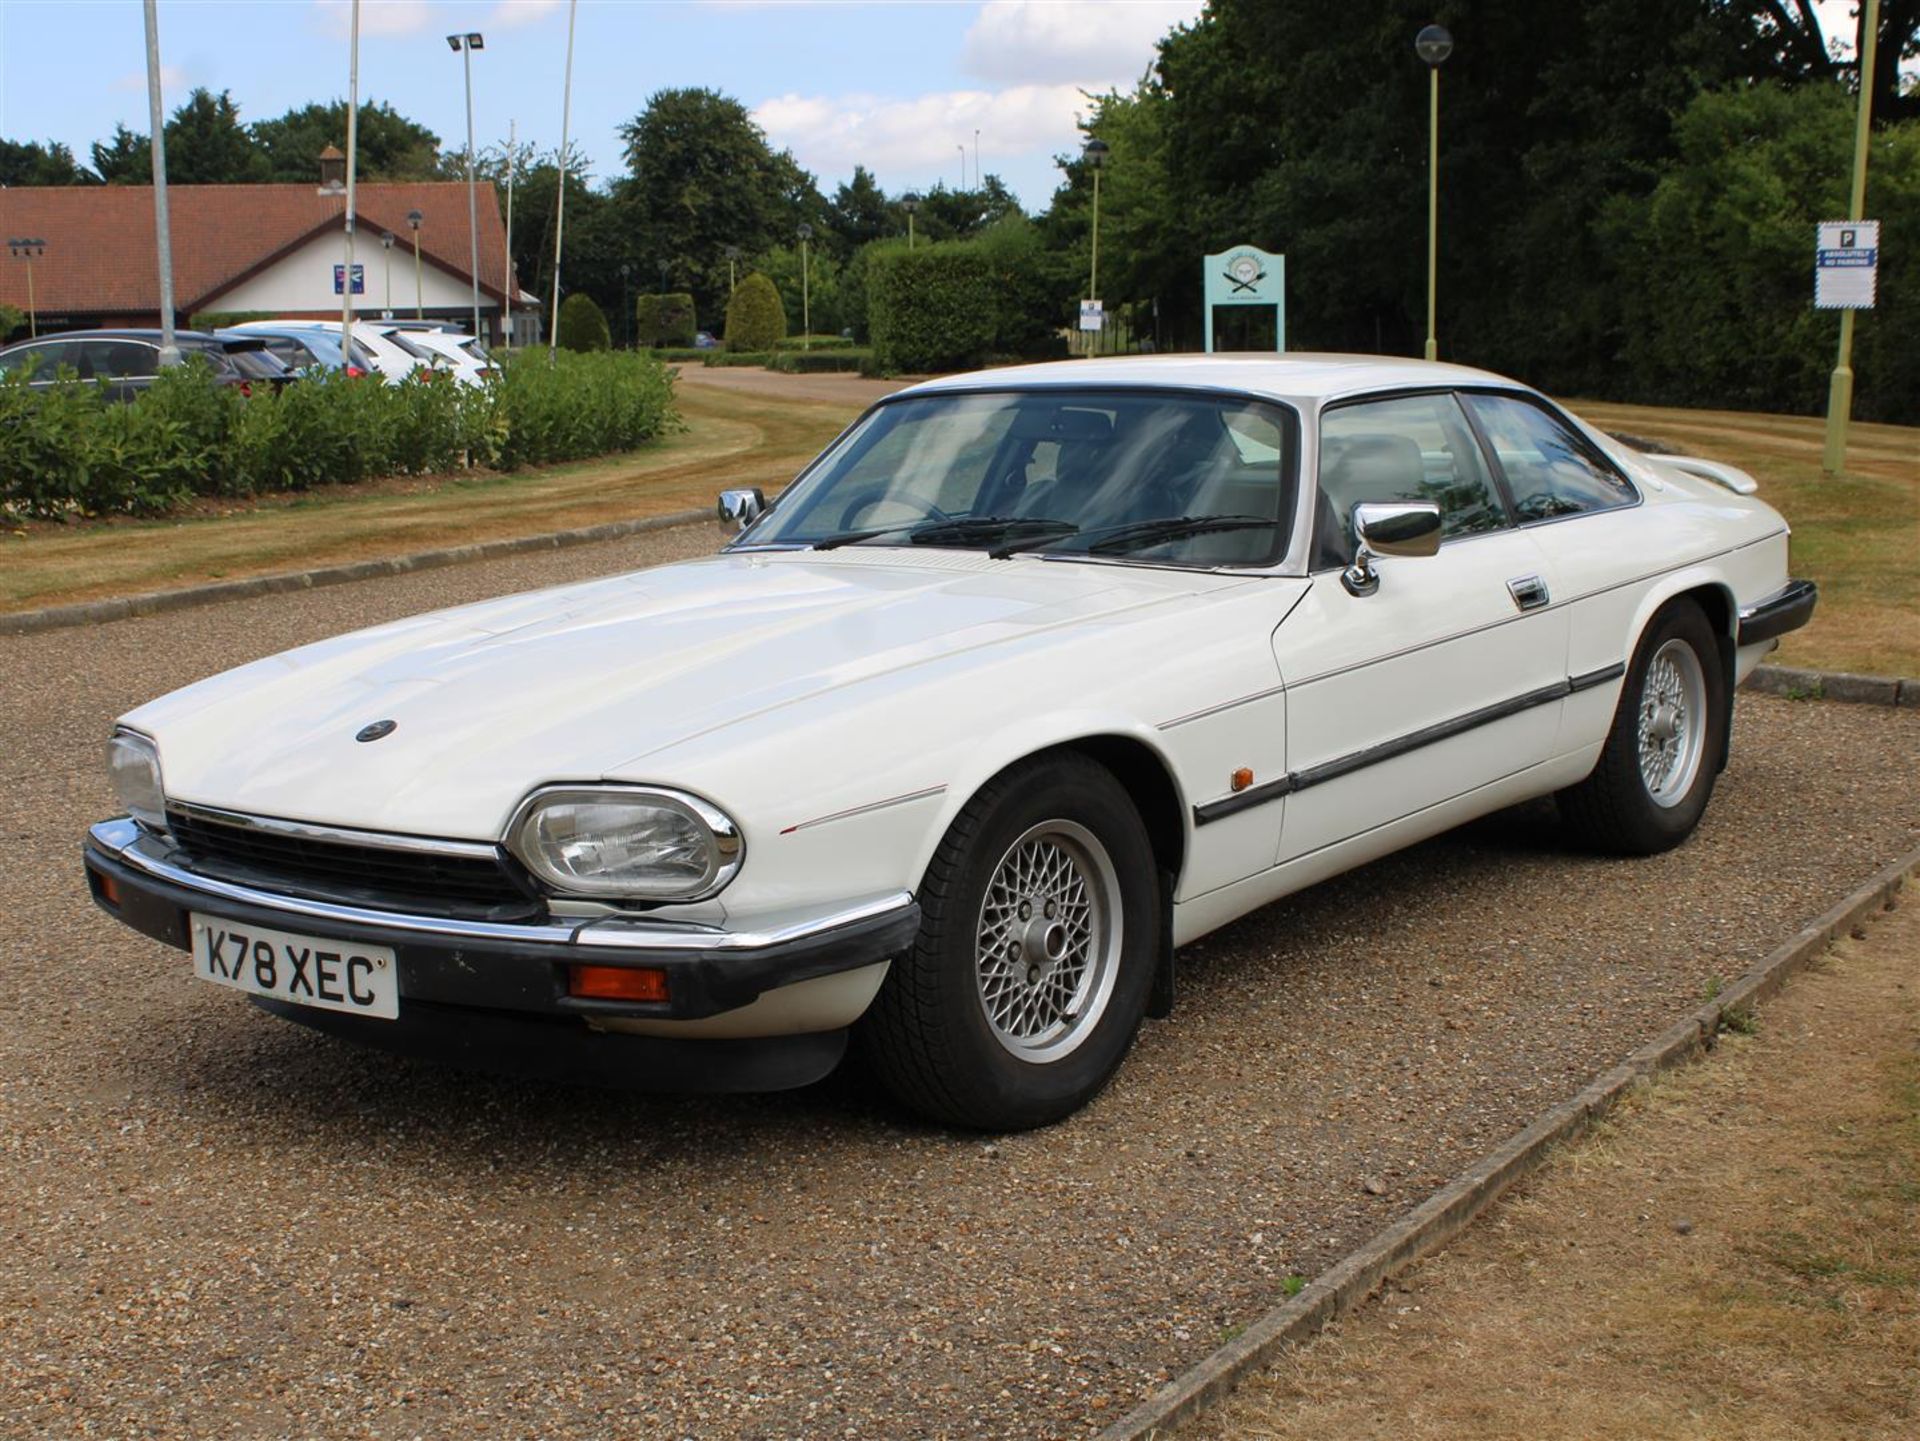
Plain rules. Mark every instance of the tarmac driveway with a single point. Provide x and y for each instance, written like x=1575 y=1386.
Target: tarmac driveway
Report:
x=214 y=1223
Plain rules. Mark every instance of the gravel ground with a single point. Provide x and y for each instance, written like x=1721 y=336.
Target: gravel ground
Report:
x=214 y=1223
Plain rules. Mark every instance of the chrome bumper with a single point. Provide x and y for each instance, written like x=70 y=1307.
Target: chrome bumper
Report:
x=140 y=880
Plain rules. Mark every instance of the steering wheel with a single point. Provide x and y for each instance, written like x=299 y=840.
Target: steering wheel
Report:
x=868 y=496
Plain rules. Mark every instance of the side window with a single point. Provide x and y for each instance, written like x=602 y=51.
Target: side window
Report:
x=28 y=362
x=120 y=359
x=1551 y=469
x=1412 y=447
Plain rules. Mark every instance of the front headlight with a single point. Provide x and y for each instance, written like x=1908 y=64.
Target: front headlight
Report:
x=640 y=844
x=133 y=763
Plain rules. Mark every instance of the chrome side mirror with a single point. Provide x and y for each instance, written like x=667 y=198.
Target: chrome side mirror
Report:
x=1396 y=527
x=739 y=509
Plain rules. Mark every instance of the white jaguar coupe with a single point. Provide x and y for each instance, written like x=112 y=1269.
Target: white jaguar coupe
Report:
x=1032 y=677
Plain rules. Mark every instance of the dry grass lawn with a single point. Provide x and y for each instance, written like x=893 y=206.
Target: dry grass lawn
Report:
x=1857 y=534
x=1736 y=1253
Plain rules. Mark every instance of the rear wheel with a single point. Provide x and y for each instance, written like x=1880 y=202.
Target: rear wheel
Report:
x=1657 y=769
x=1040 y=914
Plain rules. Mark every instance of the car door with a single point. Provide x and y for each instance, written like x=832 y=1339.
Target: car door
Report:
x=1446 y=678
x=1585 y=516
x=123 y=368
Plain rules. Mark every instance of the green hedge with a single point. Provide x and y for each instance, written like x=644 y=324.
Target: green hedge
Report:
x=723 y=359
x=67 y=451
x=679 y=354
x=815 y=342
x=932 y=308
x=845 y=358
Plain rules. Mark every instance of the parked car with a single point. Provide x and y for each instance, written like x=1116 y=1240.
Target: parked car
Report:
x=122 y=362
x=463 y=354
x=308 y=348
x=705 y=340
x=390 y=356
x=259 y=367
x=1033 y=676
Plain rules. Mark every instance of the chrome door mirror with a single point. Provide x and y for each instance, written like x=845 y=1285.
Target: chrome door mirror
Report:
x=739 y=509
x=1398 y=527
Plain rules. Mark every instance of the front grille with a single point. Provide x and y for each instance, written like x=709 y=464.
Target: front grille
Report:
x=472 y=887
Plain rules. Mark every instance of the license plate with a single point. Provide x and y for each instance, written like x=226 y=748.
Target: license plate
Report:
x=306 y=970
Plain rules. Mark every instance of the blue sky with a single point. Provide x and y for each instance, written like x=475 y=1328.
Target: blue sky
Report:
x=898 y=85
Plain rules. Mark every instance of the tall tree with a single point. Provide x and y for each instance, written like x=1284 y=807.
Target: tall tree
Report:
x=389 y=146
x=124 y=158
x=207 y=144
x=28 y=162
x=701 y=178
x=1784 y=40
x=860 y=212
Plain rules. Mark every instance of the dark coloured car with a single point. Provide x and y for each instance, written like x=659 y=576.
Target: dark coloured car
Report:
x=122 y=362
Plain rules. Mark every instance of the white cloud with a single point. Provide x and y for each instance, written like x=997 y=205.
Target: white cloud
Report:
x=1097 y=44
x=377 y=17
x=832 y=134
x=521 y=12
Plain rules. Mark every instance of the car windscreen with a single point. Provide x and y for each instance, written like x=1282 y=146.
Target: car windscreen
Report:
x=259 y=363
x=1189 y=478
x=411 y=347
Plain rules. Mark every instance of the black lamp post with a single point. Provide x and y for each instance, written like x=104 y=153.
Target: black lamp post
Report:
x=910 y=202
x=414 y=218
x=1433 y=45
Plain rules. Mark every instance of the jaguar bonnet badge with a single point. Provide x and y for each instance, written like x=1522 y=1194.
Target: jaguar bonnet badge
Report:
x=375 y=731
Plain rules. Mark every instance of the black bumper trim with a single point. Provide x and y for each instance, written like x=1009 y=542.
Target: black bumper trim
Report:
x=526 y=976
x=1786 y=609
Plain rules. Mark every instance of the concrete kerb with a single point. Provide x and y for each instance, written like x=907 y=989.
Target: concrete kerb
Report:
x=96 y=612
x=1796 y=684
x=1450 y=1210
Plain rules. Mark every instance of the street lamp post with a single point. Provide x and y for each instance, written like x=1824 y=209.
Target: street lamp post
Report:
x=733 y=258
x=1833 y=457
x=626 y=303
x=910 y=202
x=513 y=280
x=162 y=226
x=414 y=218
x=25 y=249
x=386 y=244
x=353 y=157
x=963 y=164
x=466 y=45
x=806 y=309
x=1433 y=45
x=560 y=196
x=1095 y=153
x=976 y=158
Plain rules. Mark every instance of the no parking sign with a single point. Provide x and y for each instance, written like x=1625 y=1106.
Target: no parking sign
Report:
x=1846 y=264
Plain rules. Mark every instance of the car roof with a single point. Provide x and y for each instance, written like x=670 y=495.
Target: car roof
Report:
x=186 y=337
x=1296 y=376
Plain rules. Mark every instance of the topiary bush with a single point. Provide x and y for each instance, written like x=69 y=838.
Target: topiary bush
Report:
x=756 y=319
x=582 y=325
x=664 y=322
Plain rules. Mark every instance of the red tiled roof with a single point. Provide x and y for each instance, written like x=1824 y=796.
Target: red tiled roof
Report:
x=100 y=249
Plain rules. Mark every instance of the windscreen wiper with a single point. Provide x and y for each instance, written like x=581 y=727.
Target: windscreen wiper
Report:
x=1134 y=534
x=960 y=528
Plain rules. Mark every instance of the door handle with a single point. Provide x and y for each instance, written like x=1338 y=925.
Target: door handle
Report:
x=1529 y=592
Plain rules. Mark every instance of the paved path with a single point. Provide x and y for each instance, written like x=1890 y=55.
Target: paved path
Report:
x=854 y=389
x=213 y=1223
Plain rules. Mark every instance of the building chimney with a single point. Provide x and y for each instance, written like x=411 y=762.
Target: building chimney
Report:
x=333 y=172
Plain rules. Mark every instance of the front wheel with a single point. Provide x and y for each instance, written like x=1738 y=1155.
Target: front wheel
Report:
x=1040 y=918
x=1657 y=769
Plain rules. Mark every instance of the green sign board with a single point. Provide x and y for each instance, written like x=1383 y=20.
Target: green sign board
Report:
x=1248 y=275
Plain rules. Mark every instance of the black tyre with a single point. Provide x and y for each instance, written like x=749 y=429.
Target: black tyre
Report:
x=1040 y=918
x=1662 y=755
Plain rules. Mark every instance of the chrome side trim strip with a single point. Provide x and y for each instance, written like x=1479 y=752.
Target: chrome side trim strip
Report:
x=1401 y=745
x=338 y=835
x=126 y=843
x=1272 y=690
x=852 y=811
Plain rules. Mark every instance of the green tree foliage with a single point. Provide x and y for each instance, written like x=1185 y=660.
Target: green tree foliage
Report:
x=1714 y=263
x=756 y=320
x=207 y=144
x=124 y=158
x=1791 y=44
x=12 y=319
x=860 y=212
x=583 y=325
x=702 y=177
x=823 y=293
x=388 y=146
x=28 y=162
